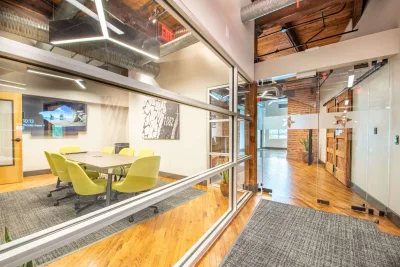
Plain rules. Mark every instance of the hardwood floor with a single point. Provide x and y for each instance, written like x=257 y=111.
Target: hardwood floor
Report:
x=164 y=239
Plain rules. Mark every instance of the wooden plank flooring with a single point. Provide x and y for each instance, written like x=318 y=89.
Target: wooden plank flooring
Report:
x=162 y=240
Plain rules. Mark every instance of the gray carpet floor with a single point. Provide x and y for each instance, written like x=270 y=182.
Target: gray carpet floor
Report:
x=280 y=235
x=28 y=211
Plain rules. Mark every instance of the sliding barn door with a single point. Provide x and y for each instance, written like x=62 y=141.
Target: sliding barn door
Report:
x=338 y=140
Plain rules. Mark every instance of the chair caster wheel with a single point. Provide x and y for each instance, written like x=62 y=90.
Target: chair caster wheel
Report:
x=56 y=204
x=49 y=195
x=131 y=219
x=155 y=211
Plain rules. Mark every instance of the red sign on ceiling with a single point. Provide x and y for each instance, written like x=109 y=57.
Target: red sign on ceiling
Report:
x=164 y=33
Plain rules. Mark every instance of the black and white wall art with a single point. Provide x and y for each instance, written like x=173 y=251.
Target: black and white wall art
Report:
x=161 y=120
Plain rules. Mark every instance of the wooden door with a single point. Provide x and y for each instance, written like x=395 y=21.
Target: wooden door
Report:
x=338 y=141
x=10 y=138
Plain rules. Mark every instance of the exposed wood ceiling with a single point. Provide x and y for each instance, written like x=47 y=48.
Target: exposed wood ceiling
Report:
x=306 y=25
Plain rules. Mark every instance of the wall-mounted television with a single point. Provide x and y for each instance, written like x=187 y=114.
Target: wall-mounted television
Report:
x=43 y=116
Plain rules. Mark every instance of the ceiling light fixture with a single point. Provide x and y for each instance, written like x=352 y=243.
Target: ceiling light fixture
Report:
x=102 y=18
x=94 y=15
x=11 y=86
x=133 y=48
x=12 y=82
x=80 y=83
x=49 y=74
x=154 y=21
x=350 y=82
x=79 y=40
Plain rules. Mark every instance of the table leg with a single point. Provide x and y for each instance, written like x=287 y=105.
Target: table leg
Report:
x=108 y=191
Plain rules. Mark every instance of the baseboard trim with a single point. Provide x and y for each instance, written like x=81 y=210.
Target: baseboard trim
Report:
x=36 y=172
x=371 y=200
x=391 y=215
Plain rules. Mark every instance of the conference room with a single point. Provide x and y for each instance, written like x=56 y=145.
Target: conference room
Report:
x=73 y=146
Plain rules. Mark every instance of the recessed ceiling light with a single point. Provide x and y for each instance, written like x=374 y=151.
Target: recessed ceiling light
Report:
x=154 y=21
x=79 y=40
x=12 y=86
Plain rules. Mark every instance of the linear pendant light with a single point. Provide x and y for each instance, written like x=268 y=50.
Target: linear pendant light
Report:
x=49 y=74
x=102 y=18
x=12 y=86
x=11 y=82
x=103 y=23
x=78 y=81
x=93 y=15
x=79 y=40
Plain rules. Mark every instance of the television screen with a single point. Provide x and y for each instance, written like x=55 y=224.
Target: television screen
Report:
x=53 y=117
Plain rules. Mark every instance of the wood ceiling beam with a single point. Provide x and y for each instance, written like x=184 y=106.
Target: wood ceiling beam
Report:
x=357 y=12
x=292 y=13
x=292 y=36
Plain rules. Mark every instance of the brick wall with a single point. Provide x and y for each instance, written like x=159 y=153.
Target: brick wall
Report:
x=302 y=101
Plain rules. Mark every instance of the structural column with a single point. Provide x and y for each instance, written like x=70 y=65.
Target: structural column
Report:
x=251 y=144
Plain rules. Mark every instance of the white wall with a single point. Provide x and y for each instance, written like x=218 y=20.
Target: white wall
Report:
x=107 y=113
x=221 y=19
x=189 y=72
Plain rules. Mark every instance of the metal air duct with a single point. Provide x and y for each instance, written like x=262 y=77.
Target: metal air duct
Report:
x=39 y=31
x=177 y=44
x=263 y=7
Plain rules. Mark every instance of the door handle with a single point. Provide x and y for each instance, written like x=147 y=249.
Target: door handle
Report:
x=17 y=139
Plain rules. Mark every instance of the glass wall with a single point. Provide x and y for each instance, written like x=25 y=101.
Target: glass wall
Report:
x=355 y=138
x=325 y=139
x=134 y=166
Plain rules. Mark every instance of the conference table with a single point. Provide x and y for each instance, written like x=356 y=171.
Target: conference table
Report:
x=103 y=163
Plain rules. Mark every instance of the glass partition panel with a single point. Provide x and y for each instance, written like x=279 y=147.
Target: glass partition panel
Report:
x=79 y=146
x=354 y=138
x=288 y=138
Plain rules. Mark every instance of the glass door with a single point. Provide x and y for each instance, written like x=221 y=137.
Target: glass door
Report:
x=354 y=140
x=288 y=143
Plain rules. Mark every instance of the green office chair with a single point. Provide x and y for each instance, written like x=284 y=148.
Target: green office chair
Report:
x=142 y=176
x=108 y=150
x=53 y=170
x=146 y=153
x=84 y=186
x=60 y=164
x=69 y=149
